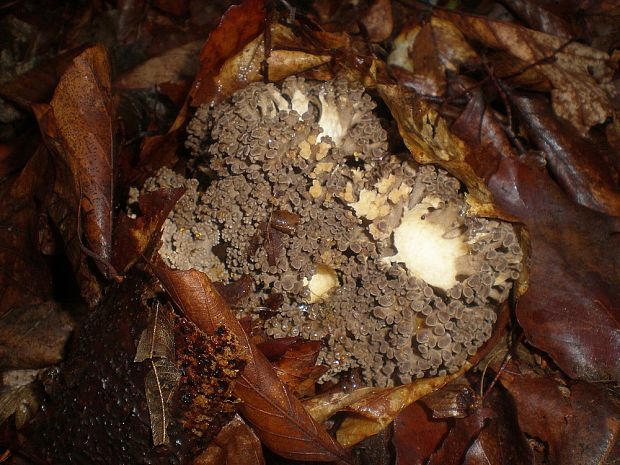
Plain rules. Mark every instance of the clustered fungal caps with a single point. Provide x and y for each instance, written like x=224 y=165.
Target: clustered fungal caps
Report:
x=365 y=250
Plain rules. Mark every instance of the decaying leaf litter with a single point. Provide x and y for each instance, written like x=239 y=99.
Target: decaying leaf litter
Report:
x=518 y=101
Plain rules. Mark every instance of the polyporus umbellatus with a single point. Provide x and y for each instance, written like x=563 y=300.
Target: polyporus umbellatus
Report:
x=362 y=249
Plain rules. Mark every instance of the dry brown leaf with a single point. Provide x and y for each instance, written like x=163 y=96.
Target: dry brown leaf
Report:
x=280 y=419
x=578 y=73
x=157 y=339
x=159 y=386
x=423 y=53
x=379 y=408
x=172 y=66
x=134 y=237
x=78 y=125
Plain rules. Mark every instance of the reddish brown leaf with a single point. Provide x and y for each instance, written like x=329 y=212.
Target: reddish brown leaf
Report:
x=297 y=367
x=236 y=291
x=575 y=162
x=571 y=309
x=239 y=25
x=24 y=276
x=174 y=65
x=236 y=444
x=417 y=435
x=280 y=419
x=378 y=20
x=538 y=17
x=489 y=436
x=132 y=237
x=276 y=348
x=79 y=126
x=579 y=424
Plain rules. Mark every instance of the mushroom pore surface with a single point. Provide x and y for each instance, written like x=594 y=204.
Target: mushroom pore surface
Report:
x=366 y=251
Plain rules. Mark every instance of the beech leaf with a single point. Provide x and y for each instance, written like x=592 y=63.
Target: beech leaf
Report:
x=159 y=385
x=278 y=416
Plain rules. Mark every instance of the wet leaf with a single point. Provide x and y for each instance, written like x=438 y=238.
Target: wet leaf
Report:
x=578 y=423
x=380 y=407
x=21 y=401
x=456 y=400
x=173 y=65
x=417 y=435
x=429 y=139
x=24 y=276
x=579 y=166
x=490 y=436
x=422 y=53
x=574 y=271
x=234 y=292
x=578 y=73
x=236 y=444
x=287 y=56
x=371 y=409
x=157 y=339
x=133 y=237
x=297 y=367
x=34 y=336
x=78 y=125
x=281 y=421
x=159 y=386
x=238 y=26
x=539 y=17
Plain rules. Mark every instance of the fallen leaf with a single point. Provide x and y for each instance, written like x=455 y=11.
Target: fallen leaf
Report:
x=489 y=436
x=539 y=17
x=21 y=401
x=578 y=423
x=173 y=65
x=575 y=162
x=422 y=53
x=157 y=339
x=78 y=125
x=574 y=270
x=238 y=26
x=429 y=139
x=236 y=444
x=379 y=408
x=281 y=421
x=378 y=20
x=297 y=367
x=24 y=275
x=417 y=435
x=133 y=237
x=34 y=336
x=159 y=386
x=577 y=72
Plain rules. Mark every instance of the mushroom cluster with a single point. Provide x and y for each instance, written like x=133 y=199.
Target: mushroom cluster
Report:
x=359 y=248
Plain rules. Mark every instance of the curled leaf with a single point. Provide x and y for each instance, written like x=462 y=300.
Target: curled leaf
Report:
x=78 y=125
